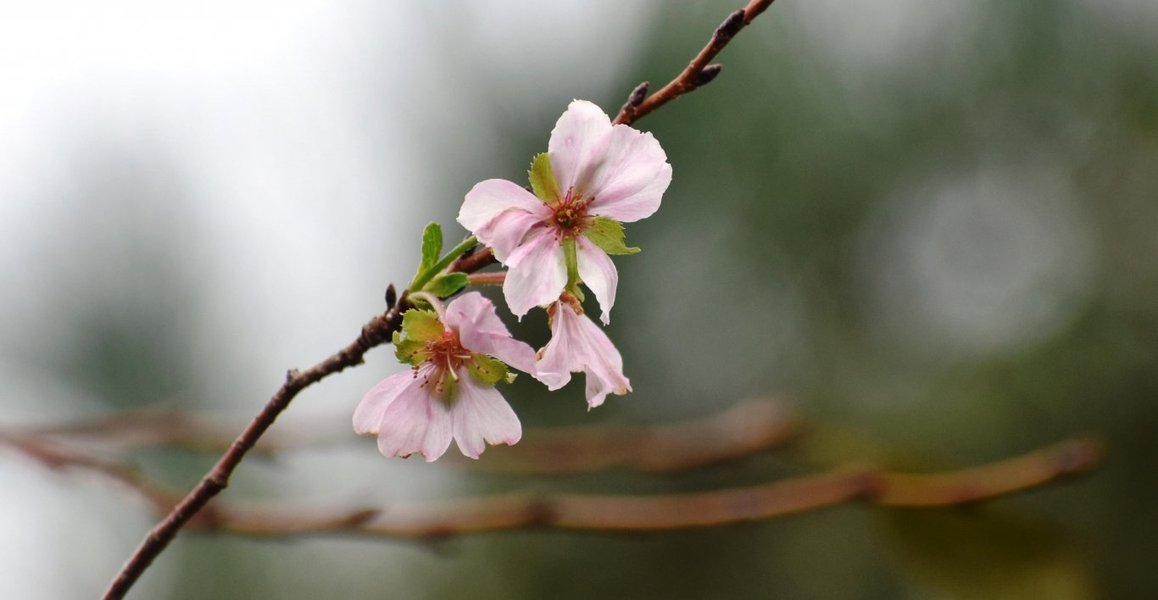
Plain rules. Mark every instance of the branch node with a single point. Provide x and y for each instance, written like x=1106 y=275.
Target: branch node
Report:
x=291 y=375
x=217 y=480
x=391 y=296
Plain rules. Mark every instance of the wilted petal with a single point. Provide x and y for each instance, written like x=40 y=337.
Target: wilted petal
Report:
x=558 y=358
x=500 y=213
x=601 y=361
x=415 y=422
x=536 y=273
x=578 y=344
x=599 y=274
x=480 y=330
x=577 y=144
x=632 y=177
x=368 y=414
x=481 y=416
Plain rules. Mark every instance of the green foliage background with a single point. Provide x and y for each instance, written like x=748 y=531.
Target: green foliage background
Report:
x=941 y=258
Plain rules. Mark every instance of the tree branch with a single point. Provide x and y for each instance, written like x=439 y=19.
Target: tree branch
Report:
x=587 y=513
x=375 y=332
x=58 y=457
x=699 y=71
x=592 y=513
x=742 y=430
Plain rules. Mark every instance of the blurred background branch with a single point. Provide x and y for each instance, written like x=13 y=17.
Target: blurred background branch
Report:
x=740 y=432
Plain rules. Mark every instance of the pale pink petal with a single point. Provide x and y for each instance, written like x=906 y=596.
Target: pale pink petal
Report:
x=480 y=330
x=474 y=312
x=500 y=213
x=505 y=232
x=536 y=273
x=578 y=344
x=416 y=422
x=577 y=144
x=598 y=273
x=368 y=414
x=601 y=361
x=557 y=359
x=632 y=177
x=481 y=416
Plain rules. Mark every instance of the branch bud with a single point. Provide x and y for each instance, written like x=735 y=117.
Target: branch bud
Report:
x=708 y=73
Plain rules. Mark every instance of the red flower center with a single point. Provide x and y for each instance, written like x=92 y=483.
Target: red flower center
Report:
x=446 y=356
x=446 y=352
x=570 y=216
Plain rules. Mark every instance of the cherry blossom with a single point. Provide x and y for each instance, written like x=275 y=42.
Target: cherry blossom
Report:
x=579 y=345
x=594 y=177
x=449 y=393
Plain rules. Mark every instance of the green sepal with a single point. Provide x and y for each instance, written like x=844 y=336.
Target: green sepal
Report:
x=447 y=284
x=421 y=325
x=487 y=370
x=411 y=352
x=431 y=247
x=542 y=179
x=608 y=235
x=571 y=259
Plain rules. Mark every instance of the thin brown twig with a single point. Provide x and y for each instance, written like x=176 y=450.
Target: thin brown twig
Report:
x=741 y=431
x=57 y=456
x=700 y=71
x=593 y=513
x=496 y=278
x=588 y=513
x=480 y=258
x=374 y=333
x=151 y=426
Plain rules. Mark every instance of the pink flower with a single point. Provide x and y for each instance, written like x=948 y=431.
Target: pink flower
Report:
x=578 y=344
x=596 y=176
x=450 y=391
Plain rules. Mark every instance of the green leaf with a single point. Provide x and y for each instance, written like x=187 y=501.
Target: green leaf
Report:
x=411 y=352
x=608 y=235
x=487 y=370
x=431 y=247
x=542 y=180
x=421 y=325
x=424 y=275
x=447 y=284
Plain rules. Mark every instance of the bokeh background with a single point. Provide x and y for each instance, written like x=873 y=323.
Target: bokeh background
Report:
x=927 y=226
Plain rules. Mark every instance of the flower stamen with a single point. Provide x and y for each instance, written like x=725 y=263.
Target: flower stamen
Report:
x=569 y=217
